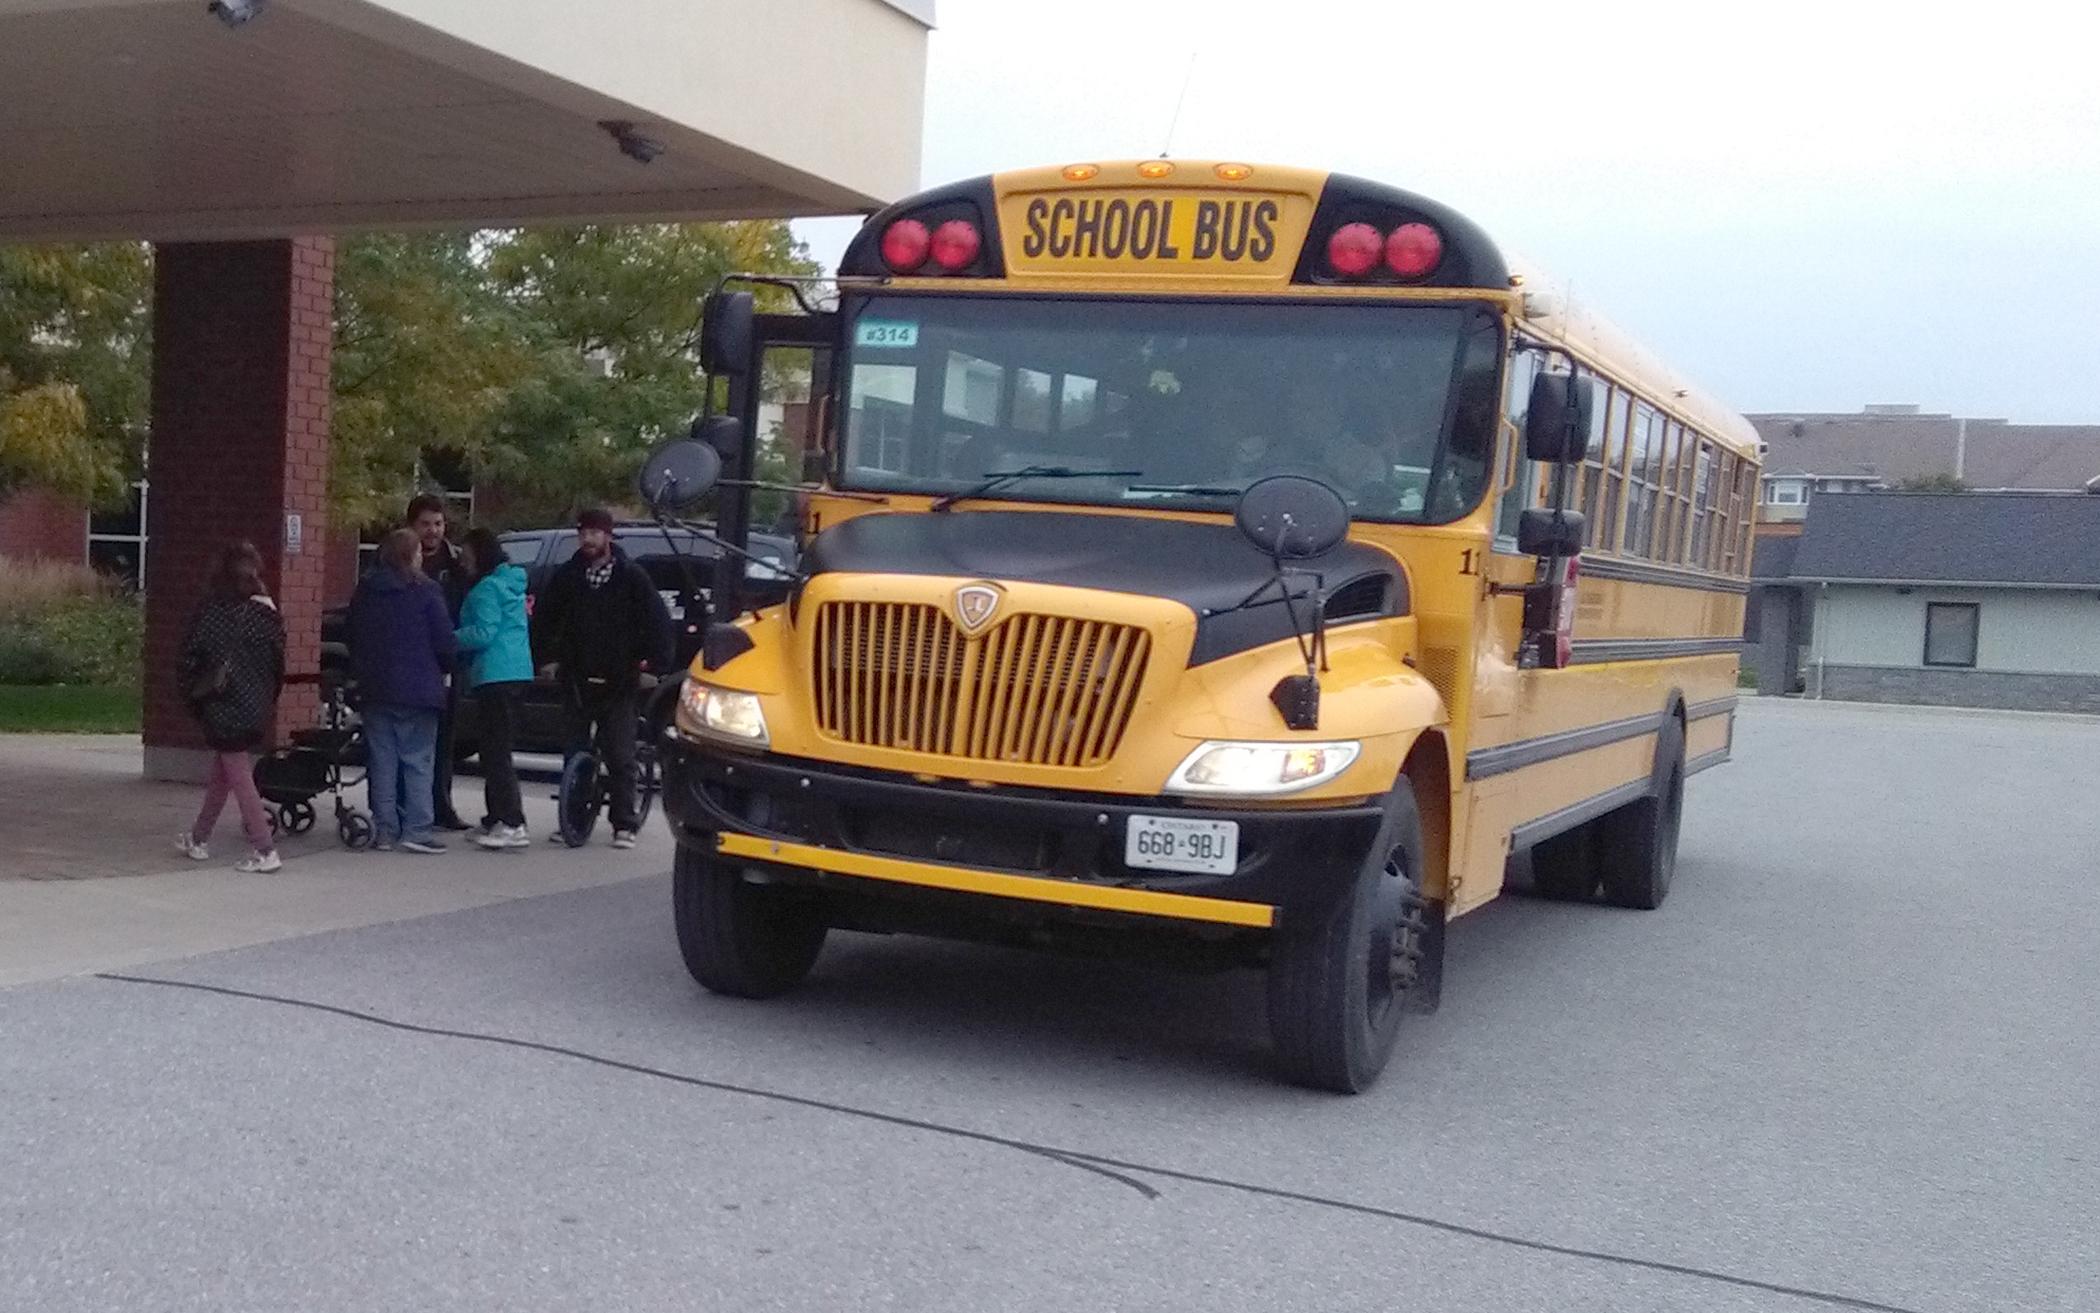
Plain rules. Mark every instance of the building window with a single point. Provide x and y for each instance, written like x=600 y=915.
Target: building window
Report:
x=1788 y=494
x=117 y=541
x=1950 y=634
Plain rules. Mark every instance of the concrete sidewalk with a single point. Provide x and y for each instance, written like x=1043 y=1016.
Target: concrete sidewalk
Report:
x=90 y=879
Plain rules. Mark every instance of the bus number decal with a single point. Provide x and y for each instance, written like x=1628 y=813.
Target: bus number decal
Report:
x=886 y=333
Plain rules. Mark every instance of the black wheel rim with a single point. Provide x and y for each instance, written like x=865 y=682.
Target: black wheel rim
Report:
x=1393 y=946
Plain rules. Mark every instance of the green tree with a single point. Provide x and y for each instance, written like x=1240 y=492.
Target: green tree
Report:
x=73 y=367
x=1939 y=481
x=544 y=362
x=427 y=354
x=615 y=318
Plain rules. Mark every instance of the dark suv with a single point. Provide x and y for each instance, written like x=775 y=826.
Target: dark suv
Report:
x=683 y=576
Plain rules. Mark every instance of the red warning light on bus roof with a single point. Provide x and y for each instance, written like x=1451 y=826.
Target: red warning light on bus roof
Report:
x=1355 y=249
x=905 y=244
x=955 y=244
x=1413 y=249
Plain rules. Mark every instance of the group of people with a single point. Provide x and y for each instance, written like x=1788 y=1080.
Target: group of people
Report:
x=433 y=623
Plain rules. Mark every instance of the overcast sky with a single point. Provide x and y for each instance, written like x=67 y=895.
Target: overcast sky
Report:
x=1802 y=206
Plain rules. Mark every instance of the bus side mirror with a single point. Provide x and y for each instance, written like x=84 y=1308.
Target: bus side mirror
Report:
x=1545 y=532
x=726 y=334
x=678 y=474
x=1557 y=425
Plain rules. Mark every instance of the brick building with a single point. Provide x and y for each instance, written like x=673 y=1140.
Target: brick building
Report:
x=236 y=136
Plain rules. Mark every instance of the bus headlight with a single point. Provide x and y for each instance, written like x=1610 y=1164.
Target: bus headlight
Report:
x=1261 y=769
x=723 y=713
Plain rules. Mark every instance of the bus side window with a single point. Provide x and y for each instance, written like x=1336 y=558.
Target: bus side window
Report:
x=1594 y=516
x=1518 y=474
x=975 y=389
x=878 y=416
x=1076 y=401
x=1032 y=400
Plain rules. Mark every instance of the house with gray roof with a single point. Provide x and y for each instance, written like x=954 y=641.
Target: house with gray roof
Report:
x=1885 y=446
x=1951 y=599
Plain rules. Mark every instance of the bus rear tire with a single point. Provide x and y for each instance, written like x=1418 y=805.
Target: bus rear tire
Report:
x=1637 y=844
x=1564 y=867
x=1338 y=986
x=741 y=939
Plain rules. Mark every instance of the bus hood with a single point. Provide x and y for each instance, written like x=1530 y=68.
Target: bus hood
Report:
x=1209 y=568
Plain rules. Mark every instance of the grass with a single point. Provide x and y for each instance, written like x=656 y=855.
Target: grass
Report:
x=69 y=709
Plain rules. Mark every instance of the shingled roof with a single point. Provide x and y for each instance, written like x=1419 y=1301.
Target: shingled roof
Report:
x=1894 y=447
x=2030 y=539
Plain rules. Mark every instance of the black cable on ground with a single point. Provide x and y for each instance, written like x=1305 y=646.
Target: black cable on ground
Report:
x=1111 y=1168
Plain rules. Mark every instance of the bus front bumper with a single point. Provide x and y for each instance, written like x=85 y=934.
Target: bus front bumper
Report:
x=1033 y=850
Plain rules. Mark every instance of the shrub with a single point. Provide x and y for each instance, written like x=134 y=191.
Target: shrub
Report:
x=64 y=624
x=27 y=657
x=27 y=587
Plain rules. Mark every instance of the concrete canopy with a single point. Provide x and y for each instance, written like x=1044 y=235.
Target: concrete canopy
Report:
x=154 y=119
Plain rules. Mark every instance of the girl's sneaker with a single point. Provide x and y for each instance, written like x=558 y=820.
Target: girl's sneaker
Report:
x=505 y=836
x=186 y=844
x=260 y=863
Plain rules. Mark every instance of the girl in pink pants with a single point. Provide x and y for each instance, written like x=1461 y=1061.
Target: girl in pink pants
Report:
x=231 y=669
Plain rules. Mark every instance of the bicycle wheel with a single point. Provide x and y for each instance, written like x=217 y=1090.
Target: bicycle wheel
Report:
x=581 y=797
x=648 y=782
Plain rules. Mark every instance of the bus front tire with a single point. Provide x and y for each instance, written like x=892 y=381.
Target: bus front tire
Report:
x=1637 y=844
x=1338 y=985
x=738 y=938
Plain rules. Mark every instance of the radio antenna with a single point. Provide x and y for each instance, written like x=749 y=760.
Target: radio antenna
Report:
x=1180 y=99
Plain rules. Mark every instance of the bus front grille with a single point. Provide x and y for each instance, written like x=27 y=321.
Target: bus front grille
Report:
x=1038 y=690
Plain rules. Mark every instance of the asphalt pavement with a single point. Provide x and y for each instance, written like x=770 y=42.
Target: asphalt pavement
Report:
x=1851 y=1064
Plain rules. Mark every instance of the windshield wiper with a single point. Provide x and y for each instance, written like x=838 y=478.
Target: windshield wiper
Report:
x=1190 y=489
x=1003 y=477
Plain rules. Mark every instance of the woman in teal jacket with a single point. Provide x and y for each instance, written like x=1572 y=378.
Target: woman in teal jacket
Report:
x=495 y=651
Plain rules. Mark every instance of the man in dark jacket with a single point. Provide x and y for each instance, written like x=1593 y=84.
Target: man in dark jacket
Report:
x=401 y=647
x=600 y=623
x=442 y=566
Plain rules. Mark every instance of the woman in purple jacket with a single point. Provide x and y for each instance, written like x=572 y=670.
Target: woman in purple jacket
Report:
x=401 y=649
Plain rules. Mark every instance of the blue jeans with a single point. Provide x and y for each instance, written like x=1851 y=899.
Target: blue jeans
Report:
x=401 y=753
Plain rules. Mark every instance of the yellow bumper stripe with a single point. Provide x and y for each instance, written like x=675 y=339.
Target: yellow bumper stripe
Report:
x=998 y=884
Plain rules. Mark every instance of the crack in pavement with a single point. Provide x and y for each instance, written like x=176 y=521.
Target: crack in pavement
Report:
x=1122 y=1172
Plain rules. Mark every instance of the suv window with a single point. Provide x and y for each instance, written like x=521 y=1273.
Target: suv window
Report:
x=522 y=551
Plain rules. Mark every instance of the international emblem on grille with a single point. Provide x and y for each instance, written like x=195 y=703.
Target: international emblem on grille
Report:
x=974 y=605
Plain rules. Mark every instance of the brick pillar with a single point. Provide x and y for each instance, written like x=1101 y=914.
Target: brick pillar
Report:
x=241 y=341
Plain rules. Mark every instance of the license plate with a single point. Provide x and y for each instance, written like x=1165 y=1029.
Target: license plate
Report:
x=1169 y=843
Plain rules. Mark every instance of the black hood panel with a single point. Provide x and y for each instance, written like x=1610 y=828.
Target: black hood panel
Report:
x=1208 y=568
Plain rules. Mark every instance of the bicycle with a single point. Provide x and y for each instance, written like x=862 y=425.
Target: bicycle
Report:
x=587 y=783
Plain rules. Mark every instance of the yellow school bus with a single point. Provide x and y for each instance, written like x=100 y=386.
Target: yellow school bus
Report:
x=1229 y=564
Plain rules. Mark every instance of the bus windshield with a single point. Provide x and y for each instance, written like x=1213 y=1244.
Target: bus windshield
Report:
x=1176 y=404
